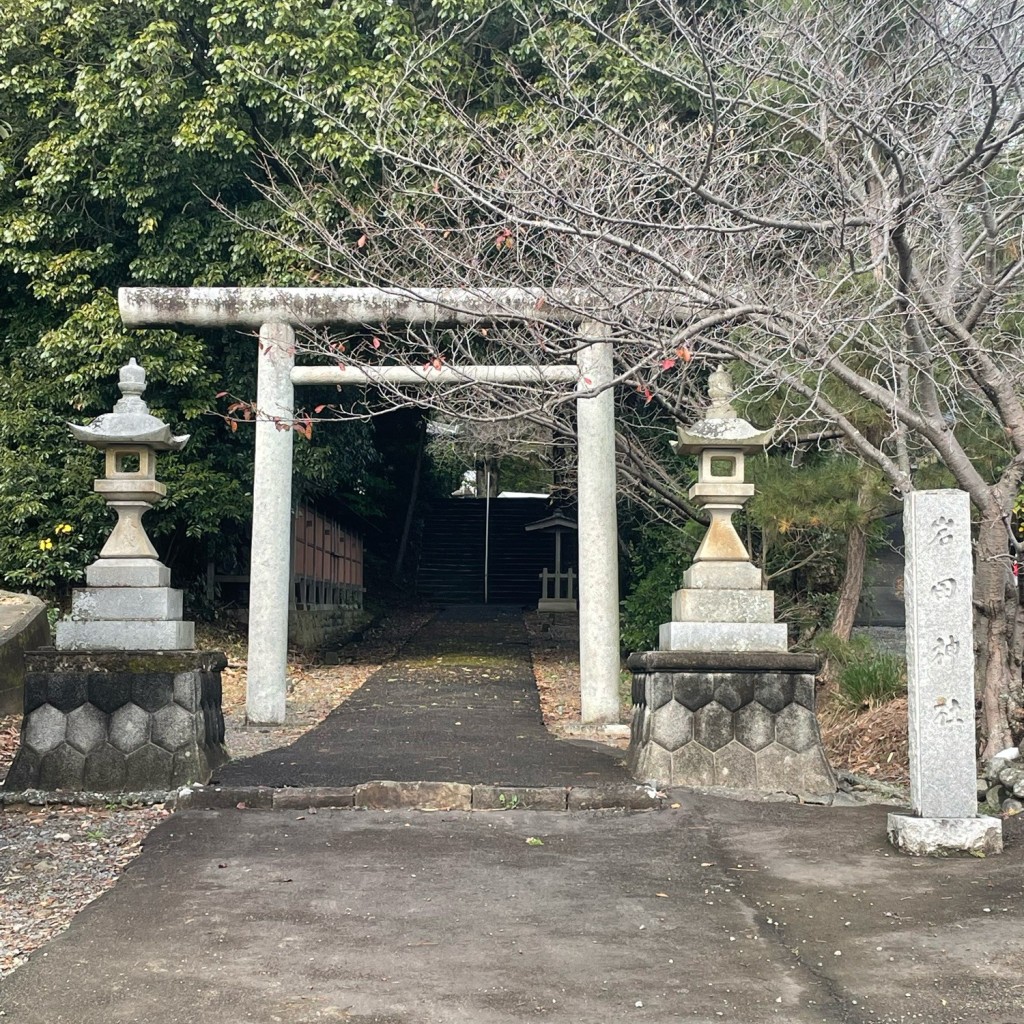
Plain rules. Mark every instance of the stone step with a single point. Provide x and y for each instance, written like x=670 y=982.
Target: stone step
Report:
x=723 y=636
x=723 y=606
x=127 y=572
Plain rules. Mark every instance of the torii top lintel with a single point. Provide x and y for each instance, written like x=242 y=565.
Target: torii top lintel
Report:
x=319 y=307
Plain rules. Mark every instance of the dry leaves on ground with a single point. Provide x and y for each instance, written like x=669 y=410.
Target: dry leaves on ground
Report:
x=871 y=742
x=10 y=729
x=554 y=648
x=56 y=860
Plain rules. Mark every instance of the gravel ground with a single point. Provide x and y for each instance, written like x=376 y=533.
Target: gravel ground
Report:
x=54 y=861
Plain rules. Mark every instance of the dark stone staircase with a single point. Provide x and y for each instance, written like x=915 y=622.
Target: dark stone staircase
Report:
x=451 y=567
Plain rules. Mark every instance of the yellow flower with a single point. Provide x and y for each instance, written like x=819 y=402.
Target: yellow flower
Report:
x=62 y=528
x=46 y=544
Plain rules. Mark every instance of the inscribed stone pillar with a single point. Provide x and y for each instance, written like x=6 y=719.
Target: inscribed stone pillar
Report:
x=940 y=680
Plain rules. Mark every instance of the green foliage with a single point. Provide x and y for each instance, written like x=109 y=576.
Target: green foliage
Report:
x=658 y=557
x=865 y=675
x=800 y=518
x=873 y=681
x=121 y=119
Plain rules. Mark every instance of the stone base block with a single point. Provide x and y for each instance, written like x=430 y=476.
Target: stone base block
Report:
x=119 y=722
x=429 y=796
x=722 y=576
x=723 y=606
x=105 y=603
x=127 y=572
x=939 y=837
x=736 y=725
x=126 y=635
x=557 y=604
x=724 y=636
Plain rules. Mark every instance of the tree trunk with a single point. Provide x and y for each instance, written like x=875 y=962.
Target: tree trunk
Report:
x=998 y=637
x=853 y=582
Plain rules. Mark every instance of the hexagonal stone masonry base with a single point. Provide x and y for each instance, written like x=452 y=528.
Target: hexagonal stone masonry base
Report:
x=725 y=719
x=113 y=722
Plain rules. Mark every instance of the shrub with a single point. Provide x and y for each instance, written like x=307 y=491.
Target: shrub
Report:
x=875 y=680
x=864 y=675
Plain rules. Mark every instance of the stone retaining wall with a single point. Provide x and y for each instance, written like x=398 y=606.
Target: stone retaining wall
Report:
x=23 y=627
x=312 y=629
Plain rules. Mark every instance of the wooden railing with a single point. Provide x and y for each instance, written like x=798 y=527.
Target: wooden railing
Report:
x=558 y=586
x=327 y=565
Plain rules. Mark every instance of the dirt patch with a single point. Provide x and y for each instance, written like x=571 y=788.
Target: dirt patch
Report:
x=56 y=860
x=554 y=648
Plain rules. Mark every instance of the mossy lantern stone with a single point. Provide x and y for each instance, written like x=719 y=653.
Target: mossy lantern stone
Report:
x=724 y=702
x=125 y=703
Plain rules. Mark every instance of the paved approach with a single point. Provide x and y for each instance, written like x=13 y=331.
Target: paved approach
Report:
x=717 y=910
x=710 y=910
x=459 y=704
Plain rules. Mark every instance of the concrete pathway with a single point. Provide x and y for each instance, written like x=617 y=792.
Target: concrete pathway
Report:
x=459 y=704
x=708 y=910
x=716 y=910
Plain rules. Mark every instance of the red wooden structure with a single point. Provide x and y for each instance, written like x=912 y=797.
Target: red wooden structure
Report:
x=327 y=563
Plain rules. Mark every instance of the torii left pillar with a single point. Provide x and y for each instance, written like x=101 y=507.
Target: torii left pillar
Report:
x=270 y=571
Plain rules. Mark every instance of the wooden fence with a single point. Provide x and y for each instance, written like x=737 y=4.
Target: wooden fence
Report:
x=327 y=563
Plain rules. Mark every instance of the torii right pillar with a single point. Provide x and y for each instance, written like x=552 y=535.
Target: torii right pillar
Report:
x=724 y=702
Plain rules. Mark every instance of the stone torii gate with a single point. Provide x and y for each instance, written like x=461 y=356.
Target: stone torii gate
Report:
x=275 y=313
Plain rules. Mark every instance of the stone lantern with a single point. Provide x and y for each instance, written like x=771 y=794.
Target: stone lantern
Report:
x=724 y=702
x=128 y=603
x=124 y=704
x=721 y=441
x=722 y=602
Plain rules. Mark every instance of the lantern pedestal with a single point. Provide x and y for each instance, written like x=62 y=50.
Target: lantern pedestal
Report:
x=740 y=720
x=125 y=614
x=113 y=722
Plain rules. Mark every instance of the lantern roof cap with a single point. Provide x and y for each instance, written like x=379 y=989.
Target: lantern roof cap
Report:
x=721 y=427
x=131 y=421
x=555 y=521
